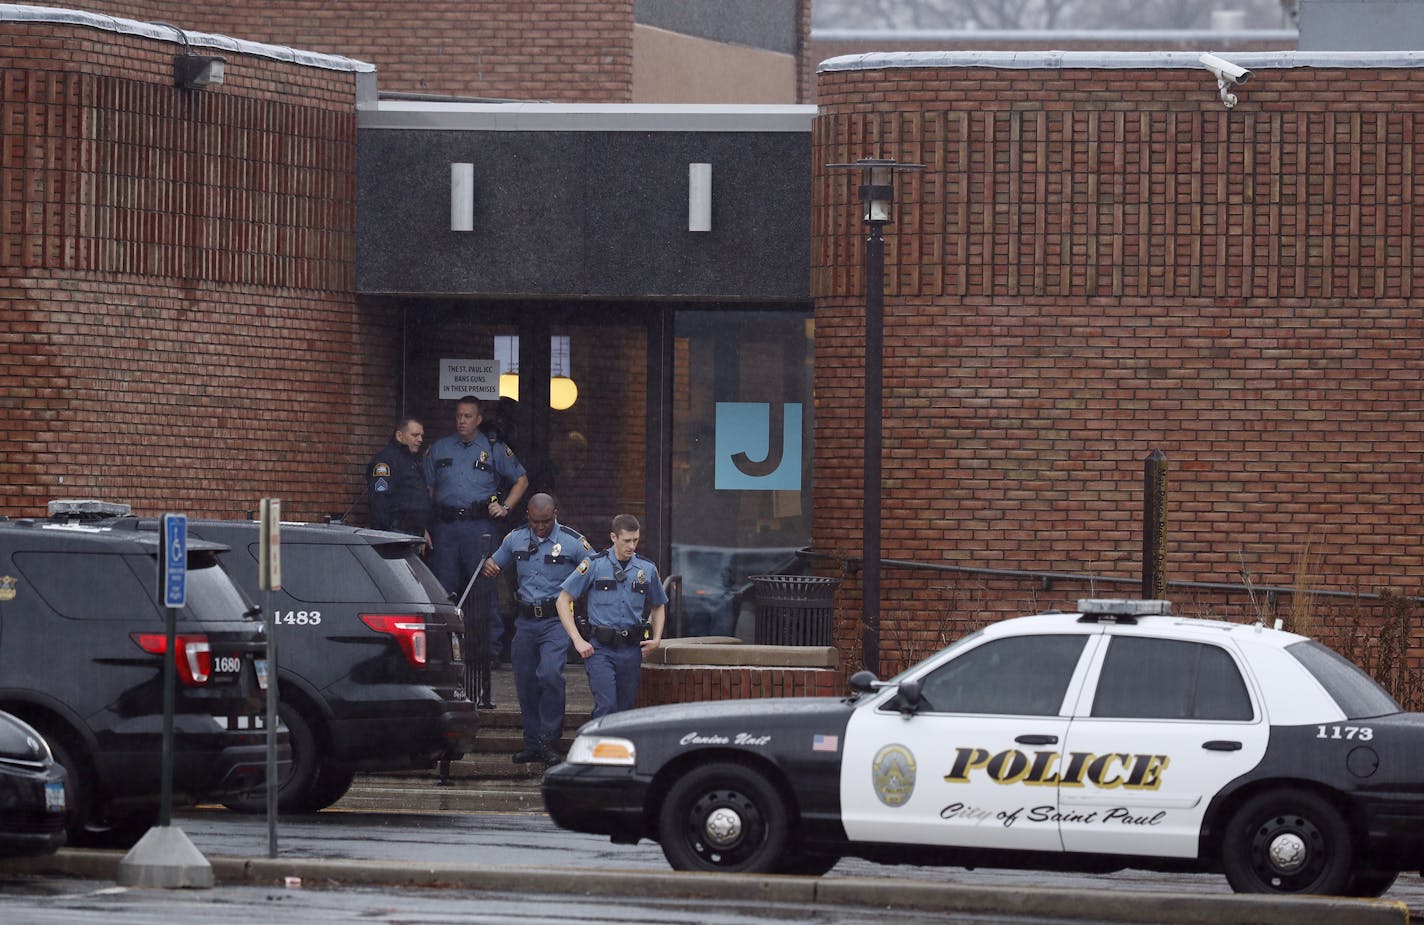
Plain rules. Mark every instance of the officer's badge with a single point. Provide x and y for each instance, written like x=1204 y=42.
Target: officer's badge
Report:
x=642 y=576
x=892 y=773
x=556 y=550
x=7 y=587
x=583 y=567
x=381 y=486
x=382 y=470
x=484 y=457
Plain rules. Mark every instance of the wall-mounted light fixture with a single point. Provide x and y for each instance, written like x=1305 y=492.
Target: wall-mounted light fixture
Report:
x=462 y=197
x=699 y=197
x=194 y=72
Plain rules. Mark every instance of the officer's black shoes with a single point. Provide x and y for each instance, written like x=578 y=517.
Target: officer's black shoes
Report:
x=528 y=755
x=550 y=756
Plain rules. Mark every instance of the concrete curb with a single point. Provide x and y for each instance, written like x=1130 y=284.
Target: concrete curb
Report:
x=1062 y=905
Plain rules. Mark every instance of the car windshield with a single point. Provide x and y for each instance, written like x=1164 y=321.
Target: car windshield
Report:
x=952 y=647
x=1357 y=694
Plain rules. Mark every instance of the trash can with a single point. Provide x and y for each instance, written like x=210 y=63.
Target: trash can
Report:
x=794 y=610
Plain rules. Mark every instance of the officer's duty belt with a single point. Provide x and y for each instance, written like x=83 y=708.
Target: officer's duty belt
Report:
x=539 y=611
x=618 y=638
x=449 y=514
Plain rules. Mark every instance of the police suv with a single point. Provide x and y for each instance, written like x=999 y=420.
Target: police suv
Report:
x=1115 y=737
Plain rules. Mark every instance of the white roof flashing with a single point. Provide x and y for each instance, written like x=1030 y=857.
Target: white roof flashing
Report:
x=14 y=12
x=1118 y=60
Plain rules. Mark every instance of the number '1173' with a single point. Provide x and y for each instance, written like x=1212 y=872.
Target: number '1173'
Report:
x=1363 y=733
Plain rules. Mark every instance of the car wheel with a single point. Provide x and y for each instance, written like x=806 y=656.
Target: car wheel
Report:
x=295 y=793
x=78 y=789
x=723 y=817
x=807 y=865
x=1287 y=842
x=331 y=785
x=1371 y=882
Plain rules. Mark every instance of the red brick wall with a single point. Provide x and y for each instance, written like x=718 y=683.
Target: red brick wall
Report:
x=1097 y=264
x=660 y=684
x=562 y=50
x=178 y=326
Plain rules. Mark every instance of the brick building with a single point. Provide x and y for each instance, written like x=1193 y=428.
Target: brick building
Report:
x=1100 y=260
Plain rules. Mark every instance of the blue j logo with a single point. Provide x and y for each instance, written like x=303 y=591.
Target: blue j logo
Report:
x=758 y=446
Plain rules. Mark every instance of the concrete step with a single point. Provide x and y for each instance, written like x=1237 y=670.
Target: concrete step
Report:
x=372 y=792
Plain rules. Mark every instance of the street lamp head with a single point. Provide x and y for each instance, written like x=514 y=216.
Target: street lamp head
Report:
x=878 y=191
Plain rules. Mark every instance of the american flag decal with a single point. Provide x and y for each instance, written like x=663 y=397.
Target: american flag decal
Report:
x=823 y=743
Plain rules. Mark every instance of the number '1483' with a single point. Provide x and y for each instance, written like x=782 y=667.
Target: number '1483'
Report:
x=301 y=618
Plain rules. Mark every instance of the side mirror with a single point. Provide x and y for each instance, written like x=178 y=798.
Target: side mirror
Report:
x=863 y=682
x=909 y=697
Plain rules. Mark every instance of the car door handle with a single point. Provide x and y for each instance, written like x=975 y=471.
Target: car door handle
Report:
x=1037 y=740
x=1222 y=745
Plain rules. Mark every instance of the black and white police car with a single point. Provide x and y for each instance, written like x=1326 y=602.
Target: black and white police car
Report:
x=1119 y=736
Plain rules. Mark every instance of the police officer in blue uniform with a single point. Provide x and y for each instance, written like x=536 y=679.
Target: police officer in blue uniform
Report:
x=395 y=482
x=464 y=472
x=626 y=606
x=543 y=552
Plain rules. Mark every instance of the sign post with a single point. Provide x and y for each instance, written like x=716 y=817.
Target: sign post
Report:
x=269 y=579
x=164 y=857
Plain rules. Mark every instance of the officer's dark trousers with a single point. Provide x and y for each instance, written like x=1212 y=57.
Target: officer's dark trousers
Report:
x=613 y=677
x=457 y=551
x=538 y=653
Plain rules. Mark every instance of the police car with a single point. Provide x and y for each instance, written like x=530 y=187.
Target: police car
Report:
x=1118 y=736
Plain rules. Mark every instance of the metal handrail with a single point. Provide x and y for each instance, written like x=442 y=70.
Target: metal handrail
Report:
x=851 y=565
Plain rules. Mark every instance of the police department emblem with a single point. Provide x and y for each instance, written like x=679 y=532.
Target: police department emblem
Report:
x=893 y=775
x=583 y=567
x=7 y=587
x=382 y=470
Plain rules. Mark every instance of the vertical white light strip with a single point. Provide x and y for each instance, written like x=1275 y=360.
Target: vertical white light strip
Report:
x=462 y=197
x=699 y=197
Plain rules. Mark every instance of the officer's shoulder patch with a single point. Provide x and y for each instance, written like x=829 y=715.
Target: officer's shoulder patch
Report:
x=508 y=452
x=380 y=469
x=583 y=567
x=585 y=544
x=381 y=485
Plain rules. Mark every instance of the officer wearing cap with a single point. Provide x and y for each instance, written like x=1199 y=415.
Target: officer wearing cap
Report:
x=464 y=471
x=544 y=552
x=622 y=587
x=395 y=482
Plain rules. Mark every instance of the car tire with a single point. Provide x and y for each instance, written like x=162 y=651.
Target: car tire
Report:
x=723 y=817
x=1292 y=841
x=1370 y=883
x=295 y=793
x=807 y=865
x=331 y=785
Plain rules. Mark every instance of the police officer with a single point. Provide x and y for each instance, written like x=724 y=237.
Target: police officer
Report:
x=464 y=471
x=622 y=587
x=543 y=553
x=395 y=482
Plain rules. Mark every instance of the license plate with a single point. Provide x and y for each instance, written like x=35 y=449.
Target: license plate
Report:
x=54 y=796
x=261 y=665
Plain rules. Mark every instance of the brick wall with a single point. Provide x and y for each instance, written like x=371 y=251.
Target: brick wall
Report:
x=661 y=684
x=178 y=326
x=561 y=50
x=1097 y=264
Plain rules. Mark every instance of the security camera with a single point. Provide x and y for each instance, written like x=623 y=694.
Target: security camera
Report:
x=1227 y=76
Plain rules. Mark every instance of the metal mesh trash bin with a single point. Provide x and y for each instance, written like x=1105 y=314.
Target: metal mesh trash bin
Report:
x=794 y=610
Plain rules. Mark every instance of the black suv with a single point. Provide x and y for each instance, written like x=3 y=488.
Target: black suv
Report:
x=369 y=654
x=82 y=644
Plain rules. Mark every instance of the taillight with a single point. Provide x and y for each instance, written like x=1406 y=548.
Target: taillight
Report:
x=192 y=655
x=409 y=632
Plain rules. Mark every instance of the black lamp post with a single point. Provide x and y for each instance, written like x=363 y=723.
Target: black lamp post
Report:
x=877 y=193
